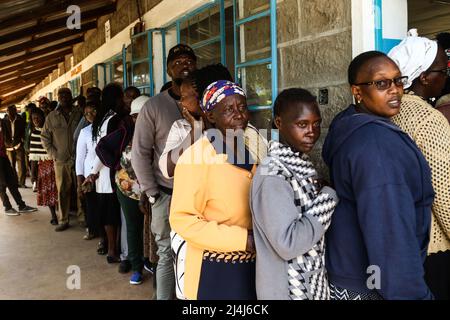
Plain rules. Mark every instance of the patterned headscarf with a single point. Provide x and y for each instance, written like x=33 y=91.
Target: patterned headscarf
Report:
x=217 y=91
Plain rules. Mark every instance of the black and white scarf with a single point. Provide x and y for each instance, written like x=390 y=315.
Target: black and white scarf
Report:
x=306 y=273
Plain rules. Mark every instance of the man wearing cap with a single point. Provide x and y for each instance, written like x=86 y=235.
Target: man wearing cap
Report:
x=152 y=128
x=57 y=139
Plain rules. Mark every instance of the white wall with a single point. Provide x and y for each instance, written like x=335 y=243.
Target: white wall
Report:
x=363 y=26
x=162 y=15
x=395 y=19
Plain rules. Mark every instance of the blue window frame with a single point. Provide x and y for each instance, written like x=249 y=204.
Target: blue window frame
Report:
x=202 y=30
x=256 y=67
x=187 y=31
x=142 y=61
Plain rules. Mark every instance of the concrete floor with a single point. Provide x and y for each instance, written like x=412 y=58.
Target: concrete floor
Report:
x=34 y=260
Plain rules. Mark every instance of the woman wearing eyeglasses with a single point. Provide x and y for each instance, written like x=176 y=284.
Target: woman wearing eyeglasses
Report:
x=377 y=241
x=85 y=156
x=425 y=62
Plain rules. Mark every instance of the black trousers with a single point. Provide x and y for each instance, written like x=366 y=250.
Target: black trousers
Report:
x=34 y=170
x=437 y=274
x=92 y=214
x=8 y=179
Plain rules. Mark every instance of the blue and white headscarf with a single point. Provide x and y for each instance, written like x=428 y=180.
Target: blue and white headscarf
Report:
x=217 y=91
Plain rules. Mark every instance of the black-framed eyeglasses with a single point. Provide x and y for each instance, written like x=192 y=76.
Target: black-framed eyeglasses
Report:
x=446 y=71
x=385 y=84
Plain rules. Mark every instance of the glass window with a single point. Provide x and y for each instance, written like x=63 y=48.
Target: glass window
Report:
x=141 y=74
x=117 y=70
x=257 y=83
x=139 y=47
x=251 y=47
x=75 y=86
x=145 y=90
x=262 y=119
x=245 y=8
x=204 y=26
x=208 y=54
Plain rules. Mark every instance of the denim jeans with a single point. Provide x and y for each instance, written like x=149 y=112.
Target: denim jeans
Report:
x=160 y=227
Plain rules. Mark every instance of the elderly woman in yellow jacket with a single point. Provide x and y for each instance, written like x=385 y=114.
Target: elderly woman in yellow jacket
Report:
x=210 y=204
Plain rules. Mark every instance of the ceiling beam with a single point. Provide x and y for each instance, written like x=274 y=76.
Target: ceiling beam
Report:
x=31 y=75
x=22 y=84
x=28 y=63
x=34 y=81
x=48 y=39
x=41 y=52
x=50 y=8
x=20 y=69
x=15 y=94
x=8 y=102
x=25 y=74
x=57 y=24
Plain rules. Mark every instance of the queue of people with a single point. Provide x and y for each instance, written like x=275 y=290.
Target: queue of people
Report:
x=183 y=186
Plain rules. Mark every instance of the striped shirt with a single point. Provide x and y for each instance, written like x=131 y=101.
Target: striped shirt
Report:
x=37 y=151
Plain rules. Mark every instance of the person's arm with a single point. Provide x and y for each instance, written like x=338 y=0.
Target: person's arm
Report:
x=186 y=213
x=47 y=139
x=388 y=225
x=276 y=217
x=19 y=131
x=387 y=217
x=81 y=155
x=433 y=139
x=142 y=150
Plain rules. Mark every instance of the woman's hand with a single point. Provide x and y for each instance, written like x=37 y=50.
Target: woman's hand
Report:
x=91 y=178
x=188 y=116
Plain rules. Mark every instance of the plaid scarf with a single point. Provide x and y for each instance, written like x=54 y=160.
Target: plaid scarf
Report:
x=306 y=273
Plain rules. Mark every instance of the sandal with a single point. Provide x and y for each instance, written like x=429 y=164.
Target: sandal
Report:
x=101 y=248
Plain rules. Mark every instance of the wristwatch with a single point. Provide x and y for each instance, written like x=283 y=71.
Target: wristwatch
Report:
x=152 y=199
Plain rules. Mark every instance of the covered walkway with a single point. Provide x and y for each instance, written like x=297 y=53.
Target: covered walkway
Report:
x=34 y=261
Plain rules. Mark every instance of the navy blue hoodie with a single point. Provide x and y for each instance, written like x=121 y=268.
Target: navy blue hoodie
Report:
x=384 y=213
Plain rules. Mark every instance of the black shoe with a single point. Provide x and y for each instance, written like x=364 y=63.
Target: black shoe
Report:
x=62 y=227
x=125 y=266
x=111 y=259
x=54 y=222
x=27 y=209
x=11 y=212
x=149 y=267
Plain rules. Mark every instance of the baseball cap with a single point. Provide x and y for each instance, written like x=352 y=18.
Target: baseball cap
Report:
x=138 y=103
x=179 y=50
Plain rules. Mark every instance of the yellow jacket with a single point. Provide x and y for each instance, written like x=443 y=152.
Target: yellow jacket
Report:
x=210 y=207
